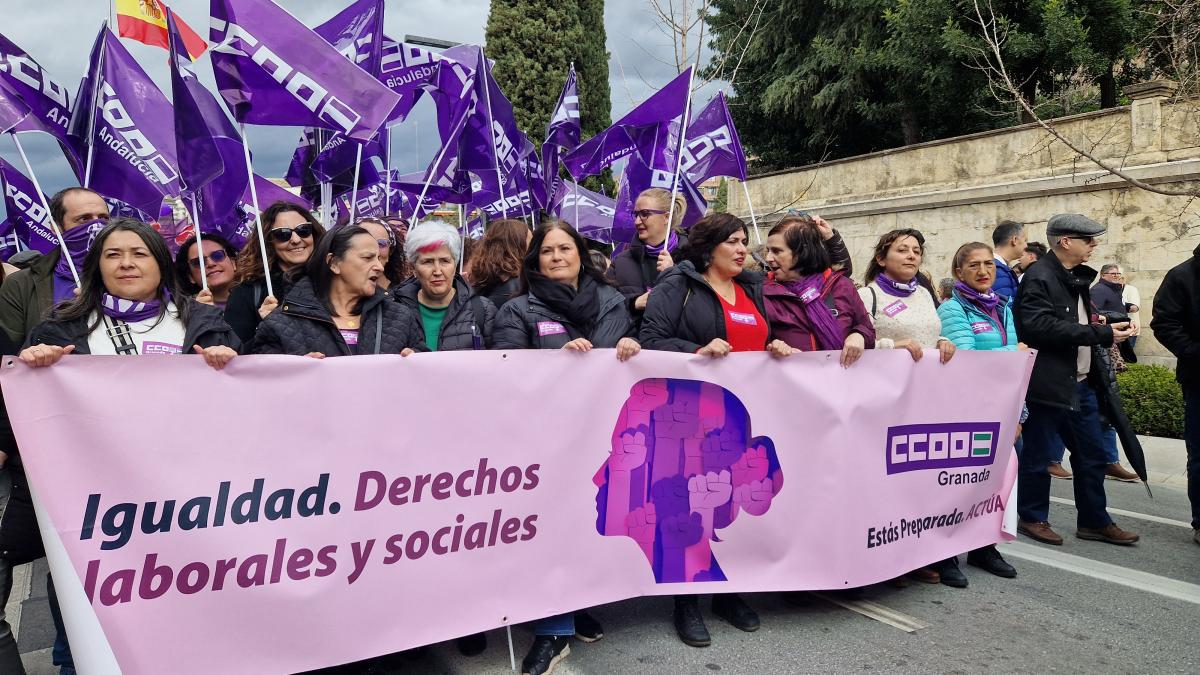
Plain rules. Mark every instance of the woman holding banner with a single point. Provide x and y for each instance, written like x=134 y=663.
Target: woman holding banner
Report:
x=978 y=319
x=903 y=309
x=452 y=315
x=290 y=231
x=496 y=267
x=811 y=306
x=709 y=304
x=126 y=306
x=564 y=304
x=220 y=269
x=336 y=307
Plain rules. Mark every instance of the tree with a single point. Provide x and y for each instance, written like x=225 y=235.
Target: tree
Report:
x=533 y=43
x=591 y=71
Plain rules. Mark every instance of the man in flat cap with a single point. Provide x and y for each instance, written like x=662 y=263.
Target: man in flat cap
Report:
x=1052 y=313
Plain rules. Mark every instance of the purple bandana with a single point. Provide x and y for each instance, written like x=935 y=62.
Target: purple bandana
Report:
x=984 y=301
x=78 y=240
x=830 y=333
x=132 y=311
x=893 y=287
x=669 y=244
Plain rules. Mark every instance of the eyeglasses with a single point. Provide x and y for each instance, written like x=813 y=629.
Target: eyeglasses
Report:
x=1086 y=240
x=646 y=213
x=283 y=234
x=215 y=257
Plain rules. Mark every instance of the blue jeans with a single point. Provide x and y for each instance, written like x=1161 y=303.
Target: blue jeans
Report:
x=1111 y=454
x=1191 y=437
x=1056 y=454
x=1080 y=431
x=559 y=624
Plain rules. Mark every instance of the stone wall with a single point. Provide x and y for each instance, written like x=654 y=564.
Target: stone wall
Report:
x=956 y=190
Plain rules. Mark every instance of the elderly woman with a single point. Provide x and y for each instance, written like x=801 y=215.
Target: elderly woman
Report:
x=290 y=231
x=810 y=306
x=710 y=304
x=452 y=315
x=127 y=306
x=564 y=303
x=976 y=318
x=336 y=307
x=496 y=267
x=220 y=269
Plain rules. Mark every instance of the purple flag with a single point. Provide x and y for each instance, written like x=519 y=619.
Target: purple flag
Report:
x=642 y=130
x=492 y=145
x=712 y=146
x=47 y=100
x=129 y=127
x=12 y=110
x=410 y=70
x=357 y=33
x=339 y=154
x=271 y=69
x=590 y=212
x=638 y=177
x=199 y=120
x=562 y=135
x=28 y=221
x=298 y=173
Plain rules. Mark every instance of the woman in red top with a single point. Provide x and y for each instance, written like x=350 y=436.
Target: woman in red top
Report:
x=709 y=304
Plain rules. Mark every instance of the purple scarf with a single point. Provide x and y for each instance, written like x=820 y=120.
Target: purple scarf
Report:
x=669 y=244
x=984 y=301
x=893 y=287
x=132 y=311
x=77 y=240
x=826 y=328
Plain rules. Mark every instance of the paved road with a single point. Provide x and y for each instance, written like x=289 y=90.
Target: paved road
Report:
x=1083 y=607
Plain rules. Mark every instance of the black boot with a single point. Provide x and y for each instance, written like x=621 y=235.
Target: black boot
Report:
x=689 y=623
x=951 y=575
x=732 y=608
x=989 y=558
x=587 y=628
x=544 y=655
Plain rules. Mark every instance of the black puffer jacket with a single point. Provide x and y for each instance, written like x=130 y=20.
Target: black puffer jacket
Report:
x=527 y=323
x=302 y=325
x=684 y=313
x=468 y=317
x=1176 y=322
x=633 y=271
x=500 y=295
x=205 y=327
x=1046 y=312
x=241 y=311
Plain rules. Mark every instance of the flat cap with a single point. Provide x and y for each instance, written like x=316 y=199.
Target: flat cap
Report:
x=1065 y=224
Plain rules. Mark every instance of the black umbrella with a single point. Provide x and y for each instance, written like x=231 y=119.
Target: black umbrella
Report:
x=1113 y=410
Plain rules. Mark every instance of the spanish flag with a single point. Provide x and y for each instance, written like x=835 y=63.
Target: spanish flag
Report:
x=146 y=22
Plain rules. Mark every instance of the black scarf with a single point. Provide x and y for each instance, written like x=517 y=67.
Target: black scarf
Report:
x=579 y=307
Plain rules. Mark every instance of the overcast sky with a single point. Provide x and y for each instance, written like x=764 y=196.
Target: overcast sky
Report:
x=59 y=33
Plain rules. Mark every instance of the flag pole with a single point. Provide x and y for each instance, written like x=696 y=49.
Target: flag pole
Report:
x=576 y=191
x=683 y=125
x=262 y=240
x=462 y=228
x=199 y=243
x=753 y=219
x=387 y=135
x=87 y=171
x=354 y=187
x=487 y=95
x=62 y=243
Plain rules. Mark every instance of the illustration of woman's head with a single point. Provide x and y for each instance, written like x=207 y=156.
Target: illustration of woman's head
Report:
x=683 y=465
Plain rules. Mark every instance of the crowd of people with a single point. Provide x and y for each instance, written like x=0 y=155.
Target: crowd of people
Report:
x=379 y=286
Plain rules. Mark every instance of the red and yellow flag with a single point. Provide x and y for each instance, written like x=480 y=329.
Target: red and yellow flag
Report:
x=146 y=22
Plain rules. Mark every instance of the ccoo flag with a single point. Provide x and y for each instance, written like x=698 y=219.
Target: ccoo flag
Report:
x=271 y=69
x=48 y=101
x=128 y=126
x=562 y=135
x=28 y=221
x=642 y=130
x=712 y=146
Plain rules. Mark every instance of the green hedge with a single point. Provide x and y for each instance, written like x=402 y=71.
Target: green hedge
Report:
x=1153 y=400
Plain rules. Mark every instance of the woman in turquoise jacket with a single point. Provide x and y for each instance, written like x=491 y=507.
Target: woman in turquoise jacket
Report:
x=975 y=318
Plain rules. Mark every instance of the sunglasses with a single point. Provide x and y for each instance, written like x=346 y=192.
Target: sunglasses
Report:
x=646 y=213
x=214 y=258
x=284 y=234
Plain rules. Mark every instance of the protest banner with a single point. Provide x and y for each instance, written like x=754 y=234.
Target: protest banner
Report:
x=289 y=513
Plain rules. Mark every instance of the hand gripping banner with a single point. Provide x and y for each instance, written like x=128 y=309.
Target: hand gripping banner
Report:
x=419 y=512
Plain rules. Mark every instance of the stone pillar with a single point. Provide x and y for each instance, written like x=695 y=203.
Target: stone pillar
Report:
x=1145 y=113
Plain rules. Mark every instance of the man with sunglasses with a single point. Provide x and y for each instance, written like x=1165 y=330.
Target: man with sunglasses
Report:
x=1052 y=313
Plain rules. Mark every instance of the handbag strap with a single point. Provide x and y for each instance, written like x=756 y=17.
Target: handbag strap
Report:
x=378 y=329
x=118 y=331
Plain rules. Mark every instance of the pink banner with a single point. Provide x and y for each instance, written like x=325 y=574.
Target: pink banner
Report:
x=210 y=519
